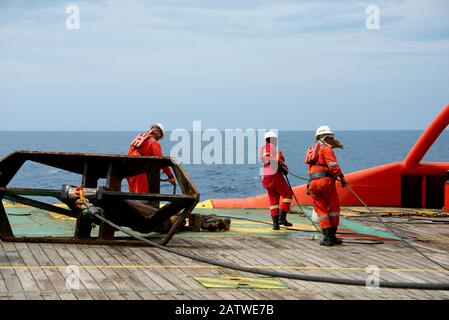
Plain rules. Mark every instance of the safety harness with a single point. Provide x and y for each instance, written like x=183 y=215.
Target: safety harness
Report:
x=140 y=140
x=311 y=159
x=319 y=175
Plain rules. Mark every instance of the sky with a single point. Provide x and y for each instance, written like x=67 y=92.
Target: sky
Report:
x=290 y=65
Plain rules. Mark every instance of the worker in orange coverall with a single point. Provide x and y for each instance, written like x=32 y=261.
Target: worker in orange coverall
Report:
x=274 y=181
x=323 y=171
x=147 y=144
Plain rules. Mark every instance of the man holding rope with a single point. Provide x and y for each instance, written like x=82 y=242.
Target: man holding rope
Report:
x=324 y=171
x=147 y=144
x=274 y=182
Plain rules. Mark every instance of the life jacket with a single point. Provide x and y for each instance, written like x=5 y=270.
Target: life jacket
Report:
x=273 y=161
x=140 y=140
x=312 y=154
x=267 y=157
x=266 y=154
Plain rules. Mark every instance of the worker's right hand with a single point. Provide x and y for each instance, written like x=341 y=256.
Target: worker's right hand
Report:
x=172 y=181
x=284 y=169
x=344 y=184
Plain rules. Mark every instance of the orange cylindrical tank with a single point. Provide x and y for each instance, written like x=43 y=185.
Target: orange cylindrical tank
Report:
x=446 y=195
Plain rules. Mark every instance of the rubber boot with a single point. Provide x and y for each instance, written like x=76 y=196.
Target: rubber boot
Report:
x=336 y=240
x=327 y=241
x=276 y=223
x=283 y=219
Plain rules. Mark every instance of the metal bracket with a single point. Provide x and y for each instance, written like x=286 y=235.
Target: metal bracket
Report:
x=138 y=211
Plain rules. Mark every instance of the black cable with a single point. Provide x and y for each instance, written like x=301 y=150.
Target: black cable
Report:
x=174 y=185
x=299 y=205
x=422 y=221
x=394 y=232
x=363 y=241
x=408 y=221
x=346 y=240
x=265 y=222
x=298 y=177
x=352 y=240
x=341 y=281
x=383 y=223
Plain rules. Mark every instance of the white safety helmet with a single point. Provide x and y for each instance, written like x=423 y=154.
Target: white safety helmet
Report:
x=270 y=134
x=158 y=125
x=324 y=131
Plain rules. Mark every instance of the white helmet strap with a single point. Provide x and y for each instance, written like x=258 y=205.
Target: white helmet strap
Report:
x=155 y=129
x=323 y=137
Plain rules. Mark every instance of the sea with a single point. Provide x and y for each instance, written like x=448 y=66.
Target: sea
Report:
x=363 y=149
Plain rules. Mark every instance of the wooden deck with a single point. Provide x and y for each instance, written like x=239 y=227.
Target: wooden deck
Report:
x=39 y=271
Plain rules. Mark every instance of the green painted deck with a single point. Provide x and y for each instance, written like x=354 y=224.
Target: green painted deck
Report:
x=39 y=270
x=32 y=222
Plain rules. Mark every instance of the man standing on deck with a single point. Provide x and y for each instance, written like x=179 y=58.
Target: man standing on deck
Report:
x=274 y=181
x=323 y=171
x=147 y=144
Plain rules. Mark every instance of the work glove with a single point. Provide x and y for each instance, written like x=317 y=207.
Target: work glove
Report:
x=284 y=169
x=172 y=180
x=343 y=181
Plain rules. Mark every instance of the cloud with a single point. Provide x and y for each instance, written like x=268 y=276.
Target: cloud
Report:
x=246 y=18
x=210 y=60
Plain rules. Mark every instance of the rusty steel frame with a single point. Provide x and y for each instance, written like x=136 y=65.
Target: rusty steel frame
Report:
x=138 y=211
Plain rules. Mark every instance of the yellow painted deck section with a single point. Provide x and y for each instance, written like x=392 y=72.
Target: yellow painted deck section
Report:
x=239 y=282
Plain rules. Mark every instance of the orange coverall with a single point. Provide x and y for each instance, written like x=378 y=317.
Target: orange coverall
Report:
x=274 y=181
x=147 y=146
x=324 y=191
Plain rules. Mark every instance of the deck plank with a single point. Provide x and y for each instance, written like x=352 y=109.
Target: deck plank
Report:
x=12 y=282
x=160 y=276
x=60 y=274
x=183 y=275
x=85 y=277
x=24 y=275
x=53 y=275
x=3 y=287
x=10 y=276
x=100 y=257
x=134 y=277
x=37 y=271
x=39 y=276
x=96 y=273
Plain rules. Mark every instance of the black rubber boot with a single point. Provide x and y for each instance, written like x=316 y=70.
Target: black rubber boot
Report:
x=283 y=219
x=336 y=240
x=276 y=223
x=327 y=241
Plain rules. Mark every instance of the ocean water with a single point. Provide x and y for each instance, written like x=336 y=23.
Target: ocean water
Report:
x=363 y=149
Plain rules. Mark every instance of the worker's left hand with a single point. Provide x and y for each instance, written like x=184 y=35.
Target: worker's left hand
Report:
x=344 y=184
x=172 y=181
x=284 y=169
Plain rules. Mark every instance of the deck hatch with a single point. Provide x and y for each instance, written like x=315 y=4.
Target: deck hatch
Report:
x=240 y=283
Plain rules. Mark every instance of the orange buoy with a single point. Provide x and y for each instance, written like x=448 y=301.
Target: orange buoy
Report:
x=382 y=186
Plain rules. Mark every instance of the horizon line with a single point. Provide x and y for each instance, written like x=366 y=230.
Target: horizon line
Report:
x=220 y=129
